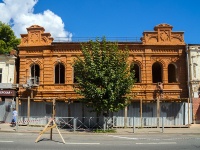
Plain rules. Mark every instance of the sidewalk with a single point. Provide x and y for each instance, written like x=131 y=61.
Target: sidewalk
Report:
x=193 y=129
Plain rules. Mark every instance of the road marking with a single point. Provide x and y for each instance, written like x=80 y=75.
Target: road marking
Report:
x=121 y=137
x=83 y=143
x=6 y=141
x=157 y=143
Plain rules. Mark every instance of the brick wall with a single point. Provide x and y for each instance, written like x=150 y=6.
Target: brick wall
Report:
x=196 y=110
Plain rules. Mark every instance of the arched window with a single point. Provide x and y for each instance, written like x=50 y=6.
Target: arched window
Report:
x=59 y=73
x=135 y=67
x=35 y=73
x=171 y=73
x=157 y=72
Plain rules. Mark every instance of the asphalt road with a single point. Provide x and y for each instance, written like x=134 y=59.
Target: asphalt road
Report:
x=26 y=141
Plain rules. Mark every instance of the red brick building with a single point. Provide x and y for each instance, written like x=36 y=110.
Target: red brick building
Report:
x=46 y=65
x=159 y=57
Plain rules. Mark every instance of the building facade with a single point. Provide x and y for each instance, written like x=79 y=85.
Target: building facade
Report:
x=46 y=70
x=7 y=89
x=193 y=51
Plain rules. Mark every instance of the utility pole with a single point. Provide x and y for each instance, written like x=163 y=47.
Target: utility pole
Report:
x=160 y=95
x=53 y=116
x=28 y=109
x=158 y=110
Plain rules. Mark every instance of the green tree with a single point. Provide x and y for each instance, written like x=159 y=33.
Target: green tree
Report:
x=8 y=40
x=103 y=76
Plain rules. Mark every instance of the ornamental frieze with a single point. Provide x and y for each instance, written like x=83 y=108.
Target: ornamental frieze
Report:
x=173 y=59
x=34 y=51
x=164 y=51
x=157 y=59
x=164 y=36
x=143 y=87
x=136 y=50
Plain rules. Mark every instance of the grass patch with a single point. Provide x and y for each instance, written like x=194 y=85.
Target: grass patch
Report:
x=104 y=131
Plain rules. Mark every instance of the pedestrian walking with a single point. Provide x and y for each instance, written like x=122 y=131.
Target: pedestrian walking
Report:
x=14 y=117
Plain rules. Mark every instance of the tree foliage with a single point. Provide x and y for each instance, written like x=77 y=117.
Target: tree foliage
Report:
x=103 y=76
x=8 y=40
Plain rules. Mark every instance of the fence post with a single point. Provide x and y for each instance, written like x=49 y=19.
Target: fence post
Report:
x=158 y=111
x=89 y=121
x=133 y=124
x=162 y=124
x=74 y=124
x=28 y=110
x=17 y=109
x=104 y=124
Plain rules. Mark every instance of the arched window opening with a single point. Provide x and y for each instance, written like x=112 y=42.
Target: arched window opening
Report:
x=35 y=74
x=156 y=72
x=136 y=68
x=59 y=73
x=171 y=73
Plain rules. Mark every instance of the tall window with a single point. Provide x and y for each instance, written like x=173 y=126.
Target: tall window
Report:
x=136 y=68
x=199 y=92
x=194 y=70
x=157 y=72
x=171 y=73
x=0 y=75
x=35 y=73
x=59 y=73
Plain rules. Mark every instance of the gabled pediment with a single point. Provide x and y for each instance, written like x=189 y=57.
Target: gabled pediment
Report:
x=36 y=37
x=163 y=35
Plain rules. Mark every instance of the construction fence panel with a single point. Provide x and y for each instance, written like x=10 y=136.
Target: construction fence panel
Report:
x=174 y=114
x=6 y=107
x=33 y=120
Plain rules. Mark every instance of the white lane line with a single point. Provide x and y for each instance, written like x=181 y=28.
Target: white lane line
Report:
x=83 y=143
x=157 y=143
x=121 y=137
x=6 y=141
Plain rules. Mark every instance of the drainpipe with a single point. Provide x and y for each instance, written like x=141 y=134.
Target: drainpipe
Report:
x=189 y=78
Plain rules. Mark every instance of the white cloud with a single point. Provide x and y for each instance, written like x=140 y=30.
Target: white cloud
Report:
x=20 y=15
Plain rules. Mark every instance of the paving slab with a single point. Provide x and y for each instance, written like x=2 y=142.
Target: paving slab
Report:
x=192 y=129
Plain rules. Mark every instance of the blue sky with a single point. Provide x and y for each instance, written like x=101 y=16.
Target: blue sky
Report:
x=113 y=18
